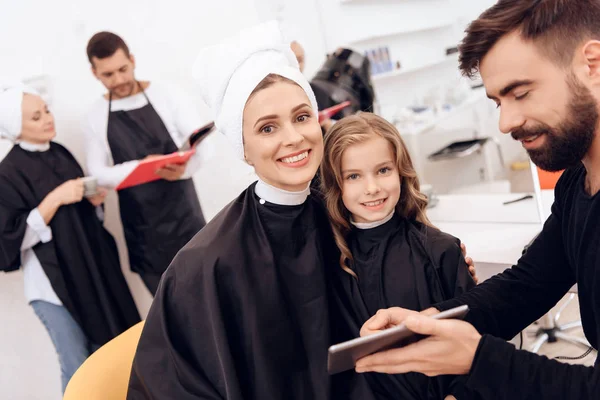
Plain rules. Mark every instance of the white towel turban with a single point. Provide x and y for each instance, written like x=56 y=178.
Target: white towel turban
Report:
x=228 y=73
x=11 y=100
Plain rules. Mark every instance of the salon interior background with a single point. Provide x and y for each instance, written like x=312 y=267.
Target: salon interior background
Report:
x=45 y=42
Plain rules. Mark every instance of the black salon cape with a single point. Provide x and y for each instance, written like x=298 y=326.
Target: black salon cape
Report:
x=242 y=311
x=405 y=264
x=81 y=260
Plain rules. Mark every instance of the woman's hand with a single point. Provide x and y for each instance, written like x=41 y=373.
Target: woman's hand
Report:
x=68 y=192
x=470 y=263
x=99 y=197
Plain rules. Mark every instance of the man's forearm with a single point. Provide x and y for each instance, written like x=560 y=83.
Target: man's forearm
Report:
x=500 y=371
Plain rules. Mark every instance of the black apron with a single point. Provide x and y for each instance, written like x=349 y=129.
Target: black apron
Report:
x=158 y=217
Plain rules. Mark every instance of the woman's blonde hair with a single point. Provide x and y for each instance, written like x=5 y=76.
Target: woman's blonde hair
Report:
x=345 y=133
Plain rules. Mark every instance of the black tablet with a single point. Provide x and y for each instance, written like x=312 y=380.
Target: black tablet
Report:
x=343 y=356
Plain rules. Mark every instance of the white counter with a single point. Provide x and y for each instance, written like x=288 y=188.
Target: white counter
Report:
x=495 y=234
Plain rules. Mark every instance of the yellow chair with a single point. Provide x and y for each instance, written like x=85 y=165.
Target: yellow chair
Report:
x=105 y=374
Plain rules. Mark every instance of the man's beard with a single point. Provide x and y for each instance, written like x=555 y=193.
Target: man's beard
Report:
x=566 y=145
x=131 y=86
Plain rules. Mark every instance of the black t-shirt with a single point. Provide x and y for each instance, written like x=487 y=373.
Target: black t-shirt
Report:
x=566 y=252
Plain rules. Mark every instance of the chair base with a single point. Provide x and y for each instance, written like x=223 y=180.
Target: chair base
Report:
x=552 y=331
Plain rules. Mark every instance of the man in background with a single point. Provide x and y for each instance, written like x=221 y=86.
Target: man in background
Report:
x=136 y=120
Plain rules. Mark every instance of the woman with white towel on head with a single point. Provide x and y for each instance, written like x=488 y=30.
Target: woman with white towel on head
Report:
x=73 y=278
x=242 y=311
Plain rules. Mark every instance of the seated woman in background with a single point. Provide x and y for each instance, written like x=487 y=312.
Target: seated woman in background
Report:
x=391 y=255
x=73 y=278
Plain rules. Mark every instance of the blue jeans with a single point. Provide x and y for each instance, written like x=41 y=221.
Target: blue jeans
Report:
x=71 y=344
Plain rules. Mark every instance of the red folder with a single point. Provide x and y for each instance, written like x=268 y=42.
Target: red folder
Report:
x=146 y=170
x=331 y=111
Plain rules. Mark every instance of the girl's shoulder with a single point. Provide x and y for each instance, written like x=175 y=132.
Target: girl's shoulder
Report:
x=436 y=243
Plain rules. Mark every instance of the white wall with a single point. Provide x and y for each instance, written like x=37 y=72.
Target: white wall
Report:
x=49 y=38
x=301 y=21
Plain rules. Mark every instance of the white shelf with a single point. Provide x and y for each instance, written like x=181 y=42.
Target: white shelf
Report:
x=444 y=25
x=403 y=71
x=426 y=127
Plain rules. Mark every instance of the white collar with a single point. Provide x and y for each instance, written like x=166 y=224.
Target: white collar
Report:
x=374 y=224
x=34 y=146
x=278 y=196
x=132 y=102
